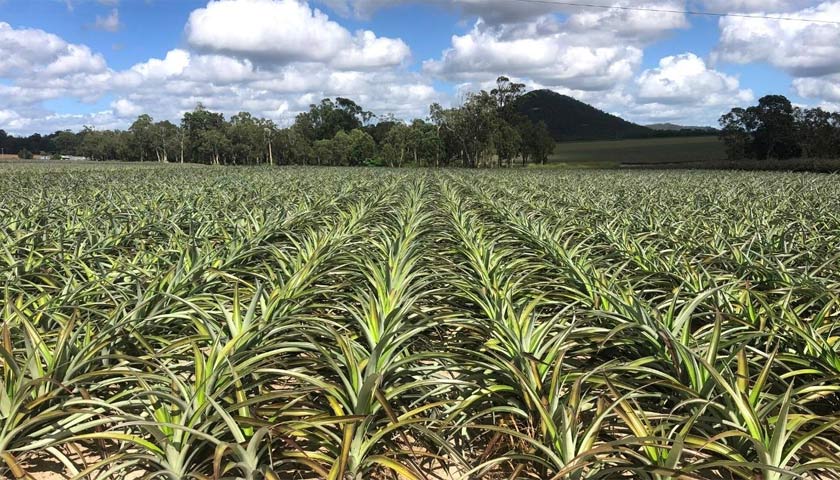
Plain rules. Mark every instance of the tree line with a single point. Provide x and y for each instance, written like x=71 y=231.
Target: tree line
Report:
x=485 y=131
x=775 y=129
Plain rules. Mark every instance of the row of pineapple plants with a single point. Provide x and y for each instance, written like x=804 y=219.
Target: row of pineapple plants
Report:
x=174 y=322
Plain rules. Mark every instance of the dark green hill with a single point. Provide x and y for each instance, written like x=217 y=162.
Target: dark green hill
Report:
x=569 y=119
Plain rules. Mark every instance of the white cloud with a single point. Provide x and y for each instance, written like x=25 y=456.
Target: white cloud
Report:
x=800 y=48
x=751 y=6
x=590 y=49
x=126 y=108
x=367 y=51
x=639 y=26
x=24 y=122
x=826 y=88
x=685 y=79
x=30 y=52
x=175 y=62
x=810 y=52
x=109 y=23
x=46 y=67
x=279 y=32
x=492 y=11
x=560 y=59
x=830 y=106
x=283 y=93
x=181 y=65
x=497 y=12
x=9 y=118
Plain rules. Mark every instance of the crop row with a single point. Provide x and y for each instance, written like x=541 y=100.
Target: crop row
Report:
x=175 y=322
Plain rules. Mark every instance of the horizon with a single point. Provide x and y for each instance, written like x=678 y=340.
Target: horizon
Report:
x=101 y=63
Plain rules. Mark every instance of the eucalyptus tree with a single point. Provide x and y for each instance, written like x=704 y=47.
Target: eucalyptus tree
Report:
x=204 y=135
x=143 y=137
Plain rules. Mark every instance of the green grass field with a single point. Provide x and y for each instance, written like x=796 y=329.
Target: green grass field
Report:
x=666 y=152
x=192 y=322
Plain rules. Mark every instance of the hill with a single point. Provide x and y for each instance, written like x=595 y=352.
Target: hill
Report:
x=569 y=119
x=671 y=127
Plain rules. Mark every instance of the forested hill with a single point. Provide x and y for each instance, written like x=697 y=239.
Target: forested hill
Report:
x=569 y=119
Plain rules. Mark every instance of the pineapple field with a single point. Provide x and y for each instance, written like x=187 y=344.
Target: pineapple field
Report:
x=191 y=322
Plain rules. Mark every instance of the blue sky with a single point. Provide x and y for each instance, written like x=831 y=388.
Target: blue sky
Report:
x=102 y=62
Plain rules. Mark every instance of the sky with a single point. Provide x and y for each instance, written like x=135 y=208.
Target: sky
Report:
x=65 y=64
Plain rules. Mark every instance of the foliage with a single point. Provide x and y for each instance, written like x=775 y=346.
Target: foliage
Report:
x=325 y=120
x=502 y=127
x=486 y=131
x=537 y=143
x=172 y=321
x=774 y=129
x=25 y=154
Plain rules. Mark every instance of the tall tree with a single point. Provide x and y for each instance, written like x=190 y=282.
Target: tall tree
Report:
x=766 y=130
x=737 y=128
x=399 y=142
x=247 y=138
x=199 y=126
x=537 y=142
x=166 y=140
x=362 y=148
x=269 y=130
x=469 y=127
x=819 y=132
x=325 y=153
x=775 y=132
x=67 y=142
x=144 y=137
x=507 y=143
x=326 y=119
x=506 y=94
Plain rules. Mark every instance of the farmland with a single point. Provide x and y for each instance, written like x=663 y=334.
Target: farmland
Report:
x=660 y=152
x=306 y=323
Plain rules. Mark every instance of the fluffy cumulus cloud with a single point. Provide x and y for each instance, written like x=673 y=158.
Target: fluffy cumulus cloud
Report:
x=9 y=117
x=650 y=22
x=279 y=94
x=592 y=49
x=801 y=48
x=686 y=79
x=809 y=51
x=550 y=60
x=286 y=31
x=826 y=88
x=40 y=66
x=126 y=108
x=181 y=65
x=227 y=70
x=29 y=52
